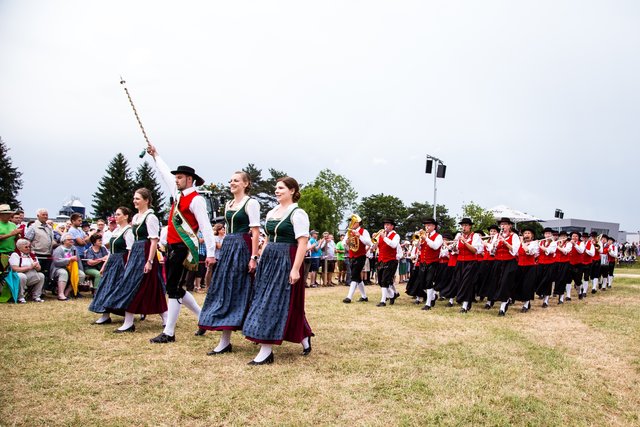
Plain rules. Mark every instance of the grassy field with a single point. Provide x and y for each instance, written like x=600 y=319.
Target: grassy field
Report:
x=575 y=364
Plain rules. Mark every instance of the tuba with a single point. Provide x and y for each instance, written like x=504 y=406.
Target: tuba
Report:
x=353 y=239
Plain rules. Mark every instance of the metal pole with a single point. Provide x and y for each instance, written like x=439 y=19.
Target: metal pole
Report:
x=435 y=190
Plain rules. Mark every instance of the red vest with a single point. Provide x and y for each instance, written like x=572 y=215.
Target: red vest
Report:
x=172 y=235
x=575 y=257
x=502 y=252
x=428 y=255
x=362 y=250
x=586 y=258
x=596 y=253
x=544 y=258
x=611 y=258
x=464 y=254
x=560 y=256
x=453 y=260
x=525 y=260
x=385 y=252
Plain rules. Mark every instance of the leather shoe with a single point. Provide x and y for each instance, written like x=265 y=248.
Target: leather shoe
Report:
x=524 y=310
x=487 y=306
x=449 y=304
x=501 y=313
x=200 y=332
x=545 y=305
x=131 y=328
x=306 y=351
x=362 y=299
x=392 y=300
x=346 y=300
x=163 y=339
x=593 y=291
x=568 y=298
x=381 y=304
x=464 y=310
x=426 y=307
x=106 y=322
x=227 y=349
x=267 y=361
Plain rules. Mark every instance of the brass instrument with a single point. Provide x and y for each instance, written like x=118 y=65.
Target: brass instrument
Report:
x=374 y=236
x=353 y=238
x=420 y=234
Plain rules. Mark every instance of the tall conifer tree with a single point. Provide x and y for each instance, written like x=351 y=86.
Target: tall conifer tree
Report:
x=115 y=188
x=10 y=181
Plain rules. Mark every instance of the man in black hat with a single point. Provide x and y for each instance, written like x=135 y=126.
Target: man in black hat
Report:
x=546 y=266
x=429 y=245
x=596 y=261
x=188 y=215
x=506 y=249
x=587 y=259
x=612 y=254
x=562 y=267
x=387 y=241
x=469 y=244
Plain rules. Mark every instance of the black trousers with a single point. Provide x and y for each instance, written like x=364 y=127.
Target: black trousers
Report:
x=357 y=264
x=176 y=273
x=386 y=273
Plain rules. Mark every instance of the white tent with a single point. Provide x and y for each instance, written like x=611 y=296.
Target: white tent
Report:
x=513 y=214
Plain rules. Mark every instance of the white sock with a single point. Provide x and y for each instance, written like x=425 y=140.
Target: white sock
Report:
x=305 y=343
x=225 y=340
x=465 y=304
x=265 y=351
x=172 y=316
x=451 y=301
x=546 y=299
x=526 y=304
x=163 y=316
x=128 y=321
x=103 y=318
x=583 y=288
x=595 y=285
x=352 y=290
x=190 y=302
x=605 y=280
x=363 y=292
x=431 y=295
x=503 y=306
x=610 y=281
x=562 y=297
x=568 y=290
x=383 y=294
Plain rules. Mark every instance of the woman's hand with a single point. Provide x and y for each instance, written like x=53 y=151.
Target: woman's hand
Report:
x=294 y=276
x=252 y=265
x=147 y=266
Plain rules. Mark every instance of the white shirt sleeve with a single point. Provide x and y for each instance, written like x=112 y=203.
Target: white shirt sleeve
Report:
x=199 y=209
x=129 y=239
x=300 y=221
x=533 y=248
x=580 y=247
x=14 y=259
x=365 y=238
x=435 y=243
x=163 y=235
x=166 y=176
x=393 y=243
x=515 y=245
x=476 y=242
x=613 y=251
x=253 y=211
x=566 y=249
x=591 y=251
x=153 y=226
x=551 y=249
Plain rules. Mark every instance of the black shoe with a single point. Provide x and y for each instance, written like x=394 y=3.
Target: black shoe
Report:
x=346 y=300
x=397 y=295
x=560 y=302
x=416 y=302
x=131 y=328
x=106 y=322
x=501 y=313
x=580 y=296
x=545 y=305
x=381 y=304
x=593 y=291
x=363 y=299
x=163 y=339
x=464 y=310
x=426 y=307
x=142 y=317
x=306 y=351
x=200 y=332
x=487 y=306
x=227 y=349
x=392 y=300
x=568 y=298
x=267 y=361
x=449 y=304
x=524 y=309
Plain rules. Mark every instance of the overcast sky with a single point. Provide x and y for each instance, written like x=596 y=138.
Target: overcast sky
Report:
x=530 y=104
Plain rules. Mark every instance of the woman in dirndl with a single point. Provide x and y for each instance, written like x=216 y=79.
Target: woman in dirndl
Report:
x=277 y=309
x=230 y=290
x=120 y=243
x=142 y=288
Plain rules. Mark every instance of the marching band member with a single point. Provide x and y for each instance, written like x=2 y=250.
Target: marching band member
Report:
x=413 y=287
x=604 y=262
x=562 y=267
x=187 y=216
x=469 y=244
x=443 y=273
x=575 y=262
x=486 y=282
x=430 y=243
x=546 y=266
x=445 y=285
x=388 y=243
x=526 y=279
x=506 y=249
x=613 y=258
x=357 y=258
x=587 y=258
x=595 y=261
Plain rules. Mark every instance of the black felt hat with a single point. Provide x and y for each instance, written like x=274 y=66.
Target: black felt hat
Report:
x=505 y=219
x=466 y=221
x=430 y=221
x=188 y=170
x=389 y=221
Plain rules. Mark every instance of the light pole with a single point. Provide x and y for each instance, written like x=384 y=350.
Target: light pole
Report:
x=440 y=172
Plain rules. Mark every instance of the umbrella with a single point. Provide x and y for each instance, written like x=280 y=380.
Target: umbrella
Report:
x=515 y=215
x=12 y=288
x=73 y=276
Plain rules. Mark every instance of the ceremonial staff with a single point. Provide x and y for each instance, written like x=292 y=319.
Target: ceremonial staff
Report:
x=122 y=82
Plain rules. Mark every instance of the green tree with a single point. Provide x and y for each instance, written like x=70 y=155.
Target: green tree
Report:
x=481 y=218
x=263 y=189
x=534 y=225
x=10 y=181
x=418 y=212
x=339 y=189
x=320 y=208
x=146 y=177
x=115 y=188
x=373 y=209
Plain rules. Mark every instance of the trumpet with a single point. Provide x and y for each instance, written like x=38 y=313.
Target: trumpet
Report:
x=419 y=235
x=376 y=235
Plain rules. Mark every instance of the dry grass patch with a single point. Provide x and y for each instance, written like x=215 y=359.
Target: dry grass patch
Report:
x=574 y=364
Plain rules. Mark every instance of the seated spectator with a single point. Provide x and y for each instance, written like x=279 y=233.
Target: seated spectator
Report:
x=25 y=264
x=58 y=231
x=95 y=257
x=8 y=233
x=62 y=256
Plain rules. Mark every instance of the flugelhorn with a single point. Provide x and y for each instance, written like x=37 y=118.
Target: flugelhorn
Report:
x=374 y=236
